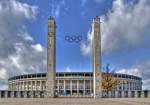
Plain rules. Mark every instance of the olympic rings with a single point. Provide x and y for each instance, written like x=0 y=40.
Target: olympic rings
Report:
x=74 y=38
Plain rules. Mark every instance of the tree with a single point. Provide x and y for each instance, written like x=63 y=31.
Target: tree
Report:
x=109 y=82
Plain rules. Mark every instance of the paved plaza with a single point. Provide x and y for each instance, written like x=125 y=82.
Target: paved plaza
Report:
x=75 y=101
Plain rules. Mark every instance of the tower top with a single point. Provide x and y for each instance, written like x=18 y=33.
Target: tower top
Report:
x=51 y=18
x=96 y=19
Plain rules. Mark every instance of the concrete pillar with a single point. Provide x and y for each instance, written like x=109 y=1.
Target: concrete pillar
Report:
x=130 y=86
x=96 y=51
x=148 y=93
x=0 y=94
x=25 y=94
x=58 y=86
x=136 y=94
x=17 y=85
x=109 y=94
x=30 y=93
x=122 y=94
x=23 y=86
x=133 y=85
x=129 y=94
x=51 y=59
x=65 y=86
x=90 y=87
x=71 y=87
x=142 y=94
x=31 y=85
x=40 y=85
x=84 y=87
x=12 y=94
x=28 y=86
x=18 y=93
x=116 y=94
x=122 y=86
x=6 y=94
x=35 y=85
x=77 y=87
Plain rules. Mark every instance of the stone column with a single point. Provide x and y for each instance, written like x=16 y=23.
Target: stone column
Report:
x=31 y=86
x=116 y=94
x=90 y=87
x=122 y=85
x=71 y=87
x=23 y=86
x=148 y=93
x=12 y=94
x=64 y=86
x=18 y=94
x=51 y=59
x=129 y=93
x=0 y=94
x=122 y=93
x=77 y=87
x=136 y=94
x=17 y=87
x=142 y=94
x=96 y=49
x=6 y=94
x=133 y=86
x=84 y=87
x=40 y=85
x=58 y=86
x=35 y=85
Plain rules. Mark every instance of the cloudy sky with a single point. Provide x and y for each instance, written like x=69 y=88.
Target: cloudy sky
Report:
x=125 y=28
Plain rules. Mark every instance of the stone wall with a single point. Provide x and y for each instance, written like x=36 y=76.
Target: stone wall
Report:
x=42 y=94
x=22 y=94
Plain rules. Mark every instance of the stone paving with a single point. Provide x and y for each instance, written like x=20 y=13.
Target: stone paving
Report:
x=75 y=101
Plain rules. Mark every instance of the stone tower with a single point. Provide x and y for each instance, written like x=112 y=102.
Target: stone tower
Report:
x=51 y=57
x=96 y=48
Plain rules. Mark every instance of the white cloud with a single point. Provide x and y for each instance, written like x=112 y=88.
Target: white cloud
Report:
x=19 y=53
x=125 y=27
x=56 y=8
x=37 y=47
x=68 y=69
x=86 y=47
x=3 y=73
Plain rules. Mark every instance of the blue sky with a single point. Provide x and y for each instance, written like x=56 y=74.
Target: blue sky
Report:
x=125 y=36
x=72 y=18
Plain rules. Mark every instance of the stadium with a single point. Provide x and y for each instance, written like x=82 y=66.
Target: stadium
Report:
x=71 y=83
x=75 y=84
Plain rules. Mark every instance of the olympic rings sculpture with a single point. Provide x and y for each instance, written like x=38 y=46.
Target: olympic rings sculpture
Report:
x=74 y=38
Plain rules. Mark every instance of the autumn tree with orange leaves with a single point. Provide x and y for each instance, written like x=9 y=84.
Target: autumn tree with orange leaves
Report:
x=109 y=82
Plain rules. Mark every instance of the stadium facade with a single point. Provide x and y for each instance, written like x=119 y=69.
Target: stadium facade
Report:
x=71 y=83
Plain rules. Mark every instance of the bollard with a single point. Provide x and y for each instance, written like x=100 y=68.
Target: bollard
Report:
x=25 y=94
x=148 y=93
x=123 y=94
x=6 y=94
x=0 y=94
x=129 y=94
x=116 y=94
x=12 y=94
x=18 y=93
